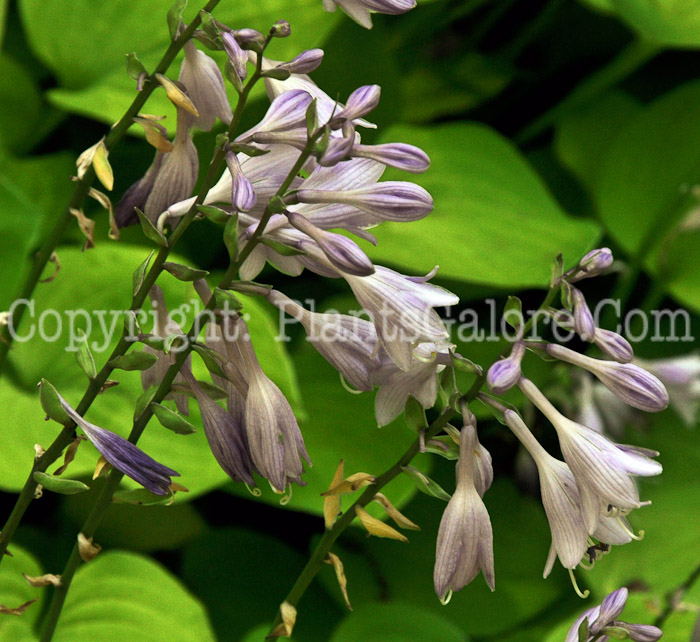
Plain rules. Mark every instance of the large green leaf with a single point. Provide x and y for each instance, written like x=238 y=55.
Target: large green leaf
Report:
x=644 y=186
x=124 y=596
x=583 y=137
x=396 y=622
x=242 y=578
x=494 y=221
x=101 y=280
x=25 y=212
x=65 y=34
x=20 y=103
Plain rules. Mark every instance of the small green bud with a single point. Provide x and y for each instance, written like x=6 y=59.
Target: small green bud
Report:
x=84 y=357
x=134 y=67
x=138 y=360
x=59 y=484
x=51 y=403
x=426 y=485
x=140 y=273
x=276 y=74
x=175 y=18
x=172 y=420
x=214 y=214
x=280 y=29
x=183 y=272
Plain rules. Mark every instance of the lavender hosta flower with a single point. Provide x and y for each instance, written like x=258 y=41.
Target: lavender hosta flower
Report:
x=504 y=373
x=275 y=441
x=348 y=343
x=387 y=201
x=681 y=376
x=339 y=147
x=592 y=264
x=164 y=326
x=361 y=10
x=306 y=62
x=125 y=456
x=287 y=111
x=137 y=195
x=399 y=155
x=401 y=309
x=584 y=325
x=341 y=251
x=236 y=55
x=205 y=86
x=178 y=171
x=602 y=469
x=613 y=345
x=419 y=381
x=226 y=435
x=632 y=384
x=600 y=619
x=560 y=498
x=465 y=539
x=242 y=193
x=360 y=102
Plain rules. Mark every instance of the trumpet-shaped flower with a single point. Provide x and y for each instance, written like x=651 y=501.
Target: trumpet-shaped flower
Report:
x=361 y=10
x=465 y=539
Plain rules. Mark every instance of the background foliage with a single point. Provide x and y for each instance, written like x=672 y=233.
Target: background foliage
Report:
x=465 y=80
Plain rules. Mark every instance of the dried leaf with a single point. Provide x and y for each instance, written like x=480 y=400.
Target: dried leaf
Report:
x=17 y=610
x=377 y=527
x=284 y=629
x=43 y=580
x=351 y=484
x=401 y=520
x=88 y=551
x=176 y=96
x=70 y=454
x=87 y=227
x=334 y=560
x=331 y=503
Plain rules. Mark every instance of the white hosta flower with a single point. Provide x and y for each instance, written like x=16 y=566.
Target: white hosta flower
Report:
x=361 y=10
x=560 y=497
x=402 y=311
x=602 y=469
x=465 y=539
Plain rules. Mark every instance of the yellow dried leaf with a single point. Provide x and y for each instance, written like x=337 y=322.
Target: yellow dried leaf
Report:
x=70 y=454
x=398 y=517
x=334 y=560
x=88 y=551
x=18 y=610
x=176 y=96
x=351 y=484
x=288 y=615
x=377 y=527
x=103 y=170
x=331 y=503
x=87 y=227
x=102 y=465
x=43 y=580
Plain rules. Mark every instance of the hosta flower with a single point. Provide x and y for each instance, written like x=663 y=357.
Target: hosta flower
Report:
x=504 y=373
x=602 y=624
x=205 y=87
x=603 y=470
x=401 y=309
x=632 y=384
x=361 y=10
x=560 y=498
x=125 y=456
x=681 y=376
x=465 y=539
x=592 y=264
x=583 y=318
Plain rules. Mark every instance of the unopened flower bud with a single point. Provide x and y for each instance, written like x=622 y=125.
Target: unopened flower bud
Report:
x=238 y=57
x=409 y=158
x=613 y=345
x=592 y=264
x=243 y=195
x=280 y=29
x=583 y=319
x=361 y=101
x=304 y=63
x=504 y=374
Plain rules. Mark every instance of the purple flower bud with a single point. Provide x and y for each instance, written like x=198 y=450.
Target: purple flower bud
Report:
x=238 y=57
x=280 y=29
x=287 y=111
x=137 y=195
x=504 y=374
x=360 y=102
x=614 y=345
x=339 y=147
x=341 y=251
x=242 y=195
x=304 y=63
x=296 y=138
x=632 y=384
x=225 y=435
x=125 y=456
x=399 y=155
x=359 y=10
x=583 y=319
x=595 y=262
x=249 y=36
x=640 y=632
x=389 y=201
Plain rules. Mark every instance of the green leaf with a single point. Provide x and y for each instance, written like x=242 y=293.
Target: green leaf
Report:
x=183 y=272
x=396 y=622
x=140 y=273
x=212 y=359
x=21 y=104
x=175 y=17
x=26 y=211
x=644 y=188
x=134 y=67
x=583 y=137
x=84 y=357
x=152 y=605
x=98 y=87
x=172 y=420
x=82 y=279
x=59 y=484
x=253 y=571
x=150 y=230
x=140 y=497
x=426 y=485
x=134 y=360
x=494 y=221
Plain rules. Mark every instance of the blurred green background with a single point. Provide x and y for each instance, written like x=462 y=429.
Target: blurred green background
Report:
x=553 y=126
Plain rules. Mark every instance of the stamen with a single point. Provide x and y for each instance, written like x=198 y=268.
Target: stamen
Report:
x=585 y=593
x=445 y=599
x=286 y=498
x=348 y=387
x=630 y=532
x=253 y=490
